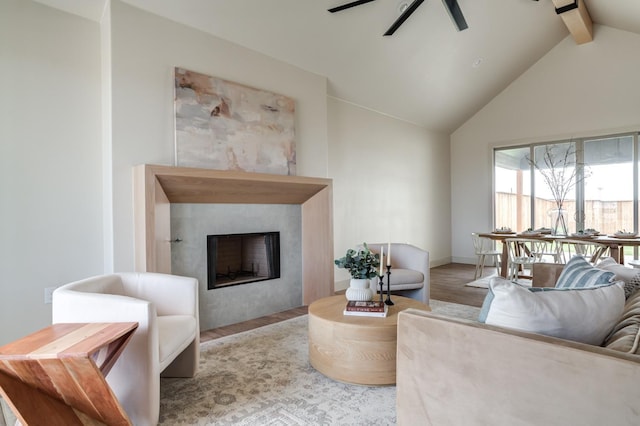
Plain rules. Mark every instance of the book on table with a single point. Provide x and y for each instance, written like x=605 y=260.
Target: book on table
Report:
x=368 y=309
x=365 y=306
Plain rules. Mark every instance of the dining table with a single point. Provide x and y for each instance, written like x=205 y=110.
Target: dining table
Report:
x=616 y=244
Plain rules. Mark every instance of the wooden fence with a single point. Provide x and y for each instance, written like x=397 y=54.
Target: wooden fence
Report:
x=513 y=211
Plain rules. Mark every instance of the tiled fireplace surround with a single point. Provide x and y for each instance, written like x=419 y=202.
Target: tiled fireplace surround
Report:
x=191 y=223
x=188 y=204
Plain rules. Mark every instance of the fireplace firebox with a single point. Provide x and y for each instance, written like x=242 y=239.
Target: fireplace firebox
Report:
x=234 y=259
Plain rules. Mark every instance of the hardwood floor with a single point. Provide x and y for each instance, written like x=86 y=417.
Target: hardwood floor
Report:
x=447 y=284
x=251 y=324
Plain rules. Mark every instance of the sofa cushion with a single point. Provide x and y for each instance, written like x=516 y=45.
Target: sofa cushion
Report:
x=579 y=273
x=401 y=279
x=175 y=333
x=584 y=315
x=625 y=336
x=630 y=276
x=405 y=276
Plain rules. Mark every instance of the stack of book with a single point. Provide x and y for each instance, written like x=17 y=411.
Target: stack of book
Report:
x=366 y=309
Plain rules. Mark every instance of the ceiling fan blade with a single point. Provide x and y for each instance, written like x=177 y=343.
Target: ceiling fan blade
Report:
x=456 y=14
x=348 y=5
x=403 y=17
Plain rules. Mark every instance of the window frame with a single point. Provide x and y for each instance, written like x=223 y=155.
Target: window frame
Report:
x=579 y=190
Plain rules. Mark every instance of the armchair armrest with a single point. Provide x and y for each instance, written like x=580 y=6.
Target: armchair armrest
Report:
x=74 y=306
x=171 y=294
x=78 y=306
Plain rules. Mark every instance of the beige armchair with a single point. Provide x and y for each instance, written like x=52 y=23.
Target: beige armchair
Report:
x=167 y=340
x=409 y=271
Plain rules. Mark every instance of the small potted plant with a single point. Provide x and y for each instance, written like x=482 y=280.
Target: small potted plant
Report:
x=362 y=265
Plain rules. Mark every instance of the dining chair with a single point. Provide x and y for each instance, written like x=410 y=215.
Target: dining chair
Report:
x=591 y=250
x=484 y=248
x=524 y=252
x=549 y=251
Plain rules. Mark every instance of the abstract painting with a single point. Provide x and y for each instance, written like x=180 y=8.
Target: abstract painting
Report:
x=229 y=126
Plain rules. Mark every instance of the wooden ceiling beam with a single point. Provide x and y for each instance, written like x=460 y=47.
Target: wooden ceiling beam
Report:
x=576 y=17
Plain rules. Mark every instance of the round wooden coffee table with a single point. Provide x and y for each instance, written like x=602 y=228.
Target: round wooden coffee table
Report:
x=354 y=349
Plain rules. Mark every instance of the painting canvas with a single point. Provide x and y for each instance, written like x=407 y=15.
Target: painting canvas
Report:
x=228 y=126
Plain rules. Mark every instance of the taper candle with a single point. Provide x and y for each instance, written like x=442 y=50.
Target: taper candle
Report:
x=381 y=260
x=389 y=254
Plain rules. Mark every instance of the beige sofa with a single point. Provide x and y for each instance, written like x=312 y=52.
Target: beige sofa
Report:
x=457 y=372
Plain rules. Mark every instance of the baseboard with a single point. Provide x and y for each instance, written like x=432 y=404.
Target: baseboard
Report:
x=439 y=262
x=467 y=260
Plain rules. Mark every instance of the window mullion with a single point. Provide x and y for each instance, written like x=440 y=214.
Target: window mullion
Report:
x=635 y=187
x=532 y=203
x=580 y=182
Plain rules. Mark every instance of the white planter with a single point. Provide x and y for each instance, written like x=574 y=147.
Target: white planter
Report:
x=359 y=290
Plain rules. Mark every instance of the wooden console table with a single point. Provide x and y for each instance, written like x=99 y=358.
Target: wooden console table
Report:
x=56 y=376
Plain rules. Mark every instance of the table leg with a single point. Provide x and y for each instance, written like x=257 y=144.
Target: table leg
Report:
x=617 y=254
x=504 y=261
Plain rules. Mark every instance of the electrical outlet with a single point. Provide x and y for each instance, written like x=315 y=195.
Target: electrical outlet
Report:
x=48 y=294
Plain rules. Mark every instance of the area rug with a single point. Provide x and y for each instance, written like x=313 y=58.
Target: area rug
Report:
x=263 y=377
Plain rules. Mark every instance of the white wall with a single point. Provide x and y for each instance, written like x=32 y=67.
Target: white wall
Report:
x=145 y=50
x=591 y=89
x=68 y=120
x=390 y=182
x=50 y=159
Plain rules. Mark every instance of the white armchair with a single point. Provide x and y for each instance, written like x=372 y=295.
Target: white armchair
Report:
x=167 y=340
x=409 y=271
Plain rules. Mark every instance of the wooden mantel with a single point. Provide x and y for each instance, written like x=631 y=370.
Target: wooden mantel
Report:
x=156 y=187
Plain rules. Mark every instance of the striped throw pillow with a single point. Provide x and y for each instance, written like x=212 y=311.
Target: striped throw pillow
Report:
x=578 y=273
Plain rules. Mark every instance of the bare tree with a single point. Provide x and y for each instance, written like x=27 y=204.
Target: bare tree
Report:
x=559 y=169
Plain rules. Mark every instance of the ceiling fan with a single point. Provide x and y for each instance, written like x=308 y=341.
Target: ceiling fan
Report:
x=452 y=7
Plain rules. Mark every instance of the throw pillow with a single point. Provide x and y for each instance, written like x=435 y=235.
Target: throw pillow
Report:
x=584 y=315
x=604 y=262
x=578 y=273
x=632 y=286
x=630 y=276
x=625 y=336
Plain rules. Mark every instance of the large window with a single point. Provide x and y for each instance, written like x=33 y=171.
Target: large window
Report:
x=512 y=199
x=596 y=179
x=609 y=191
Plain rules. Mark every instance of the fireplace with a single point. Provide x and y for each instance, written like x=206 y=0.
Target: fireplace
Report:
x=187 y=204
x=234 y=259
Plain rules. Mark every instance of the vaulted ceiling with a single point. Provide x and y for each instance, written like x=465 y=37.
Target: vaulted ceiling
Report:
x=427 y=73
